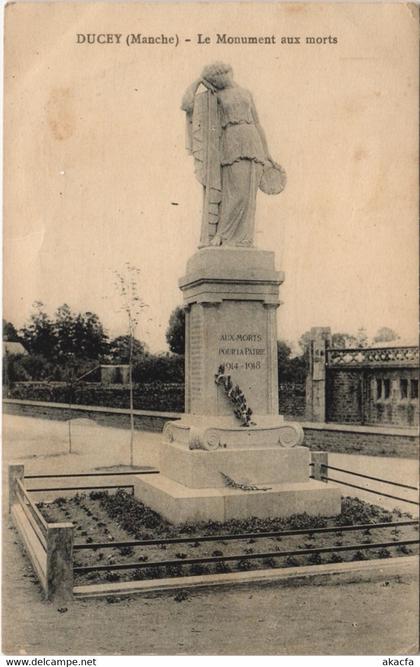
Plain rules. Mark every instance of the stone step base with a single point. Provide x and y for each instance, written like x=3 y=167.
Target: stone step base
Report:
x=179 y=504
x=199 y=469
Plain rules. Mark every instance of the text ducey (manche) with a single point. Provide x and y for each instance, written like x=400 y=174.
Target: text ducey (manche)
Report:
x=200 y=39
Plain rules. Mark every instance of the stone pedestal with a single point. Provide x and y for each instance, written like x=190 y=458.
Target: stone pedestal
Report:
x=212 y=467
x=231 y=296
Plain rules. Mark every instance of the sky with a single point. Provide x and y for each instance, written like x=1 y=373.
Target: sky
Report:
x=97 y=175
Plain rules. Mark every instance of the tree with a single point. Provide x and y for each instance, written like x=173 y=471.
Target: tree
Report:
x=10 y=333
x=80 y=336
x=67 y=337
x=283 y=352
x=175 y=333
x=39 y=335
x=126 y=284
x=64 y=325
x=304 y=341
x=90 y=338
x=159 y=368
x=385 y=335
x=119 y=349
x=33 y=366
x=293 y=369
x=343 y=340
x=339 y=339
x=361 y=337
x=298 y=369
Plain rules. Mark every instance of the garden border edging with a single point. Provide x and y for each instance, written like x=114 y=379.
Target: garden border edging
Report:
x=319 y=575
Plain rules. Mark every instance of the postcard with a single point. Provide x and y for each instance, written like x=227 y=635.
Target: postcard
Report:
x=210 y=358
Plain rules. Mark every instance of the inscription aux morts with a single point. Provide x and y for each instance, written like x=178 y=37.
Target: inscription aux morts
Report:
x=242 y=351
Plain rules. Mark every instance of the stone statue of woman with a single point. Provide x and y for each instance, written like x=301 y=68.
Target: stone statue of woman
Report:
x=231 y=156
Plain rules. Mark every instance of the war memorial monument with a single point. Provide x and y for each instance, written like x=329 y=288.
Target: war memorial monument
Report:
x=231 y=456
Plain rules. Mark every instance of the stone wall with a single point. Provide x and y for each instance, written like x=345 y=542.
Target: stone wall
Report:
x=367 y=440
x=401 y=406
x=344 y=396
x=377 y=395
x=361 y=385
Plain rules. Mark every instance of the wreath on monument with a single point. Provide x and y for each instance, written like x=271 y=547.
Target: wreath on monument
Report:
x=236 y=397
x=243 y=486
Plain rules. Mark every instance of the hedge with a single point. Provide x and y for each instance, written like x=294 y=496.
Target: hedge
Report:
x=292 y=399
x=157 y=396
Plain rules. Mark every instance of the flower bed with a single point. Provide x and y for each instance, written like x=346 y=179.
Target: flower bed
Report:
x=105 y=518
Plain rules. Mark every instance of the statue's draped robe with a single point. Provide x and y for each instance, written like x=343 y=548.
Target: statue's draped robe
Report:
x=229 y=158
x=203 y=141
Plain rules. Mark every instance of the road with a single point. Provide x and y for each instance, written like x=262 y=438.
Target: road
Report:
x=38 y=441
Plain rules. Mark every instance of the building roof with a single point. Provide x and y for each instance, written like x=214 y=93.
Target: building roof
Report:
x=14 y=347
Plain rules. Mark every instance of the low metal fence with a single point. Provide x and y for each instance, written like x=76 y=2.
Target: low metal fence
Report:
x=50 y=545
x=320 y=471
x=84 y=569
x=243 y=556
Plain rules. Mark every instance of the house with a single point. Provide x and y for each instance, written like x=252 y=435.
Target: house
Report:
x=13 y=347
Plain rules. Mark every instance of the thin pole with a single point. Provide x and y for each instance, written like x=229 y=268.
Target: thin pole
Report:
x=131 y=397
x=69 y=421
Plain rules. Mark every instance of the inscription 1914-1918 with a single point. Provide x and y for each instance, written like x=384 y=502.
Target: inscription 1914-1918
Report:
x=237 y=354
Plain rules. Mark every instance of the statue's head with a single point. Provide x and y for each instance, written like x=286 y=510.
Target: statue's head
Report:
x=219 y=74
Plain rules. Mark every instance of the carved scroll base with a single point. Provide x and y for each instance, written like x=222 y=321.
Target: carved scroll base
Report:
x=212 y=433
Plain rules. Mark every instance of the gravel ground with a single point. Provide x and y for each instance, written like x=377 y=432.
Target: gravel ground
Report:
x=359 y=618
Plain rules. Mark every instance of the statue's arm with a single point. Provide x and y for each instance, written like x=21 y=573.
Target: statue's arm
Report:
x=188 y=99
x=260 y=131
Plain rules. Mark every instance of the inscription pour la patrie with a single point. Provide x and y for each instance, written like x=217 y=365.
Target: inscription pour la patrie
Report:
x=239 y=357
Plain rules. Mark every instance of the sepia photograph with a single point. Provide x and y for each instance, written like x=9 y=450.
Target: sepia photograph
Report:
x=210 y=330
